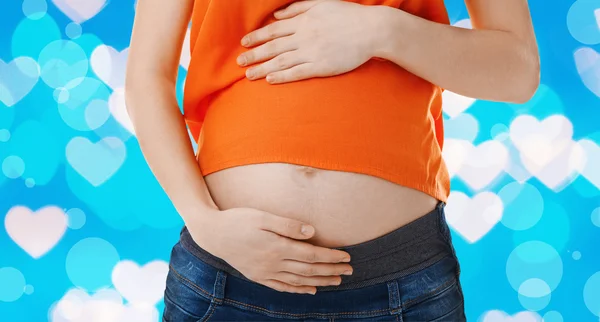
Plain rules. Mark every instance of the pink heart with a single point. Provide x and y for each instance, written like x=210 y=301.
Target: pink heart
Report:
x=36 y=232
x=80 y=10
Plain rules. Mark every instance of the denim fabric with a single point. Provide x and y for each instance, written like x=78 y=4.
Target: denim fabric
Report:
x=198 y=291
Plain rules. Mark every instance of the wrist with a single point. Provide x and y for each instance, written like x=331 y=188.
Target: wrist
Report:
x=386 y=28
x=197 y=214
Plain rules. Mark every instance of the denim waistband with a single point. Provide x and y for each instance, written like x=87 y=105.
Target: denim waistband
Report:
x=398 y=253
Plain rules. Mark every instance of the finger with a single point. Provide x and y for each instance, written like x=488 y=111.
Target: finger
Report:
x=266 y=51
x=294 y=9
x=286 y=227
x=280 y=62
x=283 y=287
x=296 y=73
x=308 y=253
x=269 y=32
x=315 y=269
x=299 y=280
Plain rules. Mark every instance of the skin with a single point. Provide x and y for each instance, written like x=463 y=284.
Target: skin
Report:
x=317 y=38
x=322 y=38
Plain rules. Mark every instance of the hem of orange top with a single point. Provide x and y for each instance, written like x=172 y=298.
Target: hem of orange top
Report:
x=440 y=194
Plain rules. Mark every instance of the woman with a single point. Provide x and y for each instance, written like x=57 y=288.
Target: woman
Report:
x=318 y=189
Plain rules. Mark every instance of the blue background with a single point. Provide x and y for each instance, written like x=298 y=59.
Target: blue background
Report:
x=542 y=257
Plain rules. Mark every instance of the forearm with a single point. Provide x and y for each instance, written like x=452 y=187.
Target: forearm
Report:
x=165 y=143
x=484 y=64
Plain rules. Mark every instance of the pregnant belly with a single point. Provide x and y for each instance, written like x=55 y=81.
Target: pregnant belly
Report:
x=345 y=208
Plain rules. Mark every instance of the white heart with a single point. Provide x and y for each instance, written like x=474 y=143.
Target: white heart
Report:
x=454 y=104
x=141 y=284
x=501 y=316
x=118 y=109
x=110 y=65
x=36 y=232
x=105 y=305
x=455 y=152
x=96 y=162
x=483 y=164
x=545 y=148
x=473 y=218
x=80 y=10
x=541 y=142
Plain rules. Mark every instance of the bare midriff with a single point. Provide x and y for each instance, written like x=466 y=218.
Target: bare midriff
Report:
x=345 y=208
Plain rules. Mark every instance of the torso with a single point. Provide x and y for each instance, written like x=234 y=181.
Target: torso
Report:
x=345 y=208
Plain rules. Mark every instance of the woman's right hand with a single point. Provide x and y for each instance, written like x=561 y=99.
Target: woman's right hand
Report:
x=269 y=249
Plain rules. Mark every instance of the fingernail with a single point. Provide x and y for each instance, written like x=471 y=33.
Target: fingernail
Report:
x=348 y=272
x=245 y=41
x=249 y=73
x=241 y=60
x=346 y=259
x=313 y=292
x=306 y=230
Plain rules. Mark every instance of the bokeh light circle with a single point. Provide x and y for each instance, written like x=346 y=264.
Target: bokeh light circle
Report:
x=576 y=255
x=534 y=259
x=28 y=289
x=523 y=205
x=96 y=114
x=534 y=294
x=582 y=22
x=13 y=284
x=90 y=262
x=29 y=182
x=45 y=30
x=73 y=30
x=76 y=218
x=499 y=132
x=591 y=294
x=596 y=217
x=34 y=9
x=13 y=167
x=84 y=92
x=61 y=95
x=4 y=135
x=61 y=62
x=553 y=316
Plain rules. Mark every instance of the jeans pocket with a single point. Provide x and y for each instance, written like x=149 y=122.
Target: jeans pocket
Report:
x=182 y=303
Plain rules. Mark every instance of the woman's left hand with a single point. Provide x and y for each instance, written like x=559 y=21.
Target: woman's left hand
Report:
x=311 y=38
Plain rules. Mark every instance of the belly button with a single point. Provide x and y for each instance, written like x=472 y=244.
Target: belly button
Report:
x=308 y=171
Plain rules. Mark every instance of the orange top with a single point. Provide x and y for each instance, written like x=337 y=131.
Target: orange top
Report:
x=378 y=119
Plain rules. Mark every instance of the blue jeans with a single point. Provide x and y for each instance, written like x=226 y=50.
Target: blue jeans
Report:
x=198 y=291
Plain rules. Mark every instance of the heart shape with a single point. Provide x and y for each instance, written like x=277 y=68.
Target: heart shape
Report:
x=96 y=162
x=546 y=148
x=473 y=218
x=501 y=316
x=110 y=65
x=17 y=79
x=80 y=10
x=483 y=163
x=36 y=232
x=144 y=284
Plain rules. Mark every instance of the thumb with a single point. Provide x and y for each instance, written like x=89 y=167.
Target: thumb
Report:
x=287 y=227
